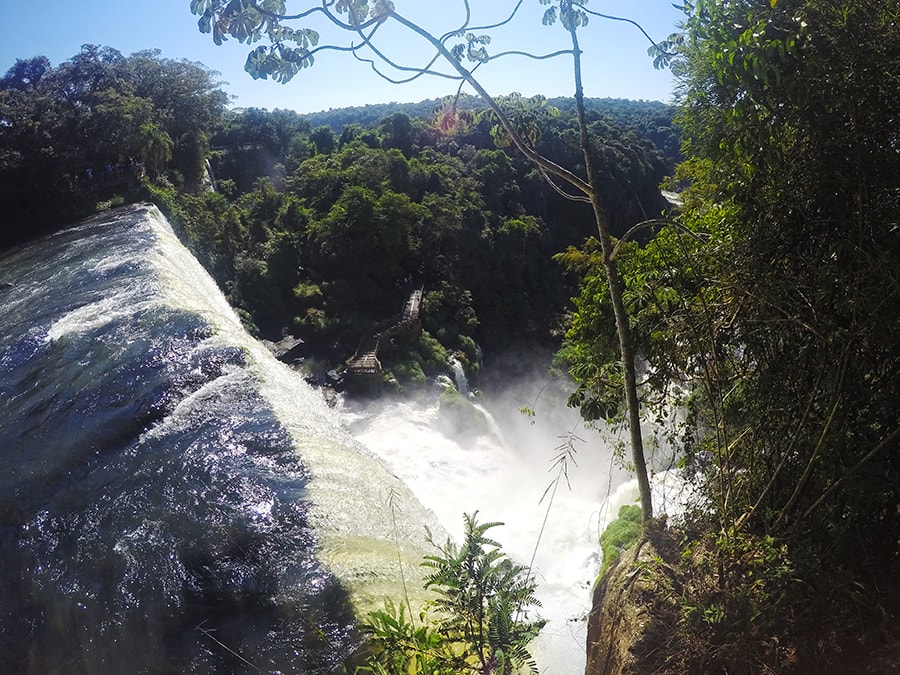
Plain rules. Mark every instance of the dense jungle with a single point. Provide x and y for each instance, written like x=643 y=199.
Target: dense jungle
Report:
x=320 y=233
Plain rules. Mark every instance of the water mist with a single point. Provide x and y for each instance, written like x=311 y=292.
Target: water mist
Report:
x=504 y=468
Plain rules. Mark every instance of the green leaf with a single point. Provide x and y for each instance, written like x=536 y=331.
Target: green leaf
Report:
x=205 y=23
x=200 y=6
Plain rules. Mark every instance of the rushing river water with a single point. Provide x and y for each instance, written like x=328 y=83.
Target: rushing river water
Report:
x=172 y=498
x=507 y=467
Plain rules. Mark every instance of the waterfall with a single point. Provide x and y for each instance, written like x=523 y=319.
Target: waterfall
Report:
x=173 y=498
x=176 y=500
x=459 y=376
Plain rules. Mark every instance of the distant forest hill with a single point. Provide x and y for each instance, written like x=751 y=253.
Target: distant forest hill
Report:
x=622 y=110
x=650 y=119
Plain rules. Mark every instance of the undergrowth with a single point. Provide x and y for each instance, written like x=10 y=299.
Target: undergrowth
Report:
x=478 y=624
x=750 y=605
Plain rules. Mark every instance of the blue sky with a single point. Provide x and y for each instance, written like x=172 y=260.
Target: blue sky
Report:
x=615 y=53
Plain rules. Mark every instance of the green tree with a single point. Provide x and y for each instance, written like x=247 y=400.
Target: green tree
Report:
x=478 y=623
x=366 y=235
x=771 y=306
x=187 y=101
x=60 y=128
x=787 y=112
x=398 y=130
x=484 y=597
x=324 y=140
x=253 y=143
x=25 y=73
x=156 y=147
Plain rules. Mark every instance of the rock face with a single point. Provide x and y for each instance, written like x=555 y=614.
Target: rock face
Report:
x=286 y=349
x=618 y=622
x=638 y=622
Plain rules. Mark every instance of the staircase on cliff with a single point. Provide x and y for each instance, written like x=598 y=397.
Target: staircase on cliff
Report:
x=365 y=362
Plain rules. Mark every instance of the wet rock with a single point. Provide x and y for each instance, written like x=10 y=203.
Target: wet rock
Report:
x=286 y=349
x=619 y=618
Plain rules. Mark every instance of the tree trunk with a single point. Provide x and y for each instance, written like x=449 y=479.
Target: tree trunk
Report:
x=614 y=282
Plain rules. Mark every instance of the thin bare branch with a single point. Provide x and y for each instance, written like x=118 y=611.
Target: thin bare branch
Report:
x=465 y=26
x=324 y=10
x=508 y=126
x=616 y=291
x=290 y=17
x=512 y=15
x=785 y=455
x=419 y=71
x=325 y=48
x=208 y=632
x=623 y=19
x=458 y=31
x=562 y=193
x=653 y=222
x=536 y=57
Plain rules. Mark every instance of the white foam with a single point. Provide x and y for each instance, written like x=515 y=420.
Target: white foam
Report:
x=505 y=482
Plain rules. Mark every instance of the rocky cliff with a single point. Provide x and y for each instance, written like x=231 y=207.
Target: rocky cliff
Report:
x=617 y=625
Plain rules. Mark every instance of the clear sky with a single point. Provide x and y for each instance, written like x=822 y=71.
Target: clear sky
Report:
x=615 y=53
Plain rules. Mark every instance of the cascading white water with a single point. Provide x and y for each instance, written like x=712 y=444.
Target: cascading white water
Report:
x=503 y=470
x=504 y=467
x=459 y=377
x=358 y=533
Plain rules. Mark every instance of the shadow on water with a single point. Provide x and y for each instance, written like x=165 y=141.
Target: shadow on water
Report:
x=152 y=508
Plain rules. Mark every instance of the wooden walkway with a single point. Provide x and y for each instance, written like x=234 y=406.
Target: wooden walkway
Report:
x=365 y=361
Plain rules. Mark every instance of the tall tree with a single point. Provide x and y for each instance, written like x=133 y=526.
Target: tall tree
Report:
x=789 y=109
x=61 y=127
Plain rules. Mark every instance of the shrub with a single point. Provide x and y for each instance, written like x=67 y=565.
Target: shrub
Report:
x=479 y=624
x=620 y=534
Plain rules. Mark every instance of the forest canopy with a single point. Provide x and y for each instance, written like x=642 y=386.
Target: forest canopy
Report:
x=91 y=120
x=318 y=223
